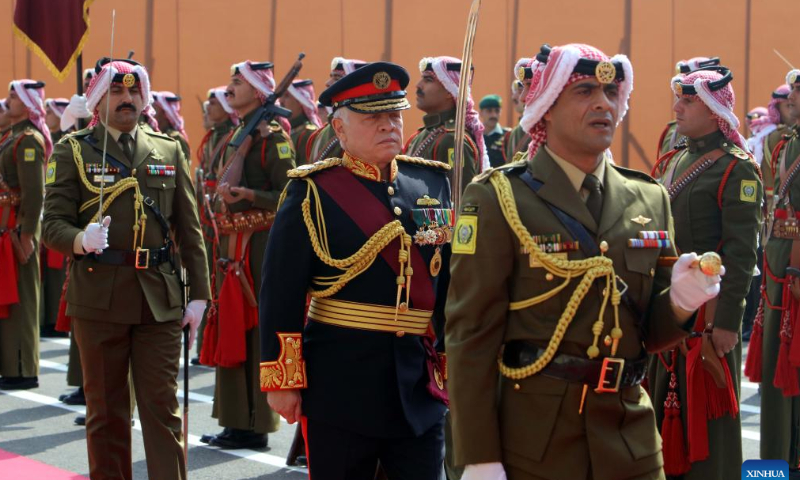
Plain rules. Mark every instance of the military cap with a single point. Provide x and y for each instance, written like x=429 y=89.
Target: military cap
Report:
x=375 y=87
x=491 y=101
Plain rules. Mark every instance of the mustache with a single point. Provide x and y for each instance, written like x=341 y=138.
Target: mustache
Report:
x=125 y=106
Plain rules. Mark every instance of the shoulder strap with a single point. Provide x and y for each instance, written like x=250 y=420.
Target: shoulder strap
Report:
x=788 y=178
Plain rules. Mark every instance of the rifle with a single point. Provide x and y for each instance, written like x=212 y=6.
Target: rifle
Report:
x=265 y=113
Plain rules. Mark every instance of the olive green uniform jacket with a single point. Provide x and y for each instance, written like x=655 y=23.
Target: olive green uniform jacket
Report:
x=22 y=167
x=701 y=225
x=302 y=130
x=533 y=425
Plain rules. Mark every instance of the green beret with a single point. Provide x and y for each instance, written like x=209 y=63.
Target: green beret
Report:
x=491 y=101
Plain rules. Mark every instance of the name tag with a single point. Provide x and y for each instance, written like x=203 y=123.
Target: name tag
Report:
x=104 y=178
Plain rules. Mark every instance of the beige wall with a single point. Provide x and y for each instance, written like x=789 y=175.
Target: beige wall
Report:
x=194 y=43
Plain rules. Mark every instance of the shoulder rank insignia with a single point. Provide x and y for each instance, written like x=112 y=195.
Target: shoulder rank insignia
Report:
x=306 y=170
x=735 y=151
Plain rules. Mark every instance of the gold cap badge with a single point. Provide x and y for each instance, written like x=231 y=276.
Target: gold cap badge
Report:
x=793 y=77
x=381 y=80
x=129 y=80
x=605 y=72
x=677 y=88
x=521 y=74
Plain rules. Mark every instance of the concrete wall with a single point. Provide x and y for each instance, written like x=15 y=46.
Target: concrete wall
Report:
x=189 y=45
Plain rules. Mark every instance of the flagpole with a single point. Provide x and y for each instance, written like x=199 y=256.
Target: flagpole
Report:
x=79 y=76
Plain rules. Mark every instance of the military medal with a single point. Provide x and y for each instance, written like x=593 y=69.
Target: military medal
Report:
x=434 y=225
x=436 y=262
x=650 y=239
x=161 y=170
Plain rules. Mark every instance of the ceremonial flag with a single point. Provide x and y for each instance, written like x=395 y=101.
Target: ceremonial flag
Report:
x=55 y=30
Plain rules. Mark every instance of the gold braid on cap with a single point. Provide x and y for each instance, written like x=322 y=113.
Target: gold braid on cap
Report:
x=113 y=192
x=589 y=268
x=360 y=261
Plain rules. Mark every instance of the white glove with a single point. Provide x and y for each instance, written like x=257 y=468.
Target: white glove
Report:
x=95 y=237
x=691 y=288
x=76 y=109
x=484 y=471
x=193 y=316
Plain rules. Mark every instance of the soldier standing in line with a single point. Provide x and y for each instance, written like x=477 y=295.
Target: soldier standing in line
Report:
x=167 y=108
x=517 y=140
x=490 y=108
x=302 y=101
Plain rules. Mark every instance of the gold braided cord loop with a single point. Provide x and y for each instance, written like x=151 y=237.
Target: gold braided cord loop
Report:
x=590 y=269
x=355 y=264
x=112 y=192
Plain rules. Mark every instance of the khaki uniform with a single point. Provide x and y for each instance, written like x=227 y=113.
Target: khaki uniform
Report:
x=323 y=144
x=670 y=138
x=302 y=130
x=21 y=167
x=126 y=318
x=780 y=415
x=515 y=141
x=178 y=137
x=52 y=278
x=435 y=140
x=238 y=401
x=533 y=425
x=701 y=225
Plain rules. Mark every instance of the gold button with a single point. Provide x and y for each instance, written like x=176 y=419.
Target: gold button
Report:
x=288 y=361
x=390 y=190
x=291 y=383
x=652 y=272
x=400 y=334
x=549 y=277
x=516 y=386
x=604 y=246
x=133 y=172
x=90 y=269
x=397 y=211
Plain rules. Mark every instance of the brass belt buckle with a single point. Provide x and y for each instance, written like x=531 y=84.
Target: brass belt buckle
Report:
x=615 y=367
x=142 y=258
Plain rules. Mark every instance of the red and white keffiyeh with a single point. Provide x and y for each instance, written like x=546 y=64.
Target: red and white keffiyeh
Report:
x=171 y=105
x=303 y=92
x=33 y=98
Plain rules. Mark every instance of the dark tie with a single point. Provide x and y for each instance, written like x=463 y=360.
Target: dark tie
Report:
x=125 y=141
x=595 y=200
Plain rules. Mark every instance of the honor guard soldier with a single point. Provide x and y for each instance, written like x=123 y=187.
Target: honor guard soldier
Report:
x=780 y=115
x=250 y=183
x=302 y=101
x=5 y=122
x=324 y=143
x=715 y=192
x=773 y=357
x=366 y=236
x=167 y=108
x=556 y=288
x=669 y=138
x=517 y=140
x=437 y=92
x=54 y=268
x=490 y=108
x=23 y=149
x=124 y=295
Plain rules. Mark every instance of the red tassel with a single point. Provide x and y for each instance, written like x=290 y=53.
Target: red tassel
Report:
x=676 y=458
x=208 y=351
x=55 y=260
x=794 y=350
x=231 y=348
x=785 y=374
x=9 y=293
x=753 y=365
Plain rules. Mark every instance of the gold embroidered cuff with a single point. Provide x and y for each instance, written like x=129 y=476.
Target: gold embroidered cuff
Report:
x=289 y=371
x=443 y=364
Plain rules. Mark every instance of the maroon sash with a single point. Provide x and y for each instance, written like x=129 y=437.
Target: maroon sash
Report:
x=371 y=215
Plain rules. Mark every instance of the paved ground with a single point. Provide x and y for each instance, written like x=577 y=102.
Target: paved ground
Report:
x=36 y=425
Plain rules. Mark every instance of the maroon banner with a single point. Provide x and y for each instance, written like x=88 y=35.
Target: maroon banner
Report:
x=54 y=30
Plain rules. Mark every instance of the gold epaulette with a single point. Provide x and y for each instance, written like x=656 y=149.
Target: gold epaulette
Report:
x=306 y=170
x=35 y=134
x=423 y=162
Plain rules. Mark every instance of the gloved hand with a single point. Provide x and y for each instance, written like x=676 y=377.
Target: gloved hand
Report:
x=484 y=471
x=691 y=288
x=192 y=317
x=95 y=237
x=76 y=109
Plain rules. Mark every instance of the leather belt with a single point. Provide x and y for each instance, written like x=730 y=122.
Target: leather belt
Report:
x=366 y=316
x=140 y=258
x=608 y=375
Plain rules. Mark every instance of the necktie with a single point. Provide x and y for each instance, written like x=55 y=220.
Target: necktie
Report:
x=125 y=141
x=595 y=200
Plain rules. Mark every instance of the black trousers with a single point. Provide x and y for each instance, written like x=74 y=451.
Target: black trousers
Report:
x=337 y=454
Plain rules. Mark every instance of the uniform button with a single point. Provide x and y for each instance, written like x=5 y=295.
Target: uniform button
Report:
x=133 y=172
x=163 y=185
x=397 y=211
x=288 y=361
x=652 y=272
x=400 y=334
x=516 y=386
x=549 y=277
x=90 y=269
x=390 y=190
x=604 y=246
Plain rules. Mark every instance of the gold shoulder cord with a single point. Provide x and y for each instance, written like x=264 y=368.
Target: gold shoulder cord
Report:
x=360 y=261
x=112 y=192
x=590 y=269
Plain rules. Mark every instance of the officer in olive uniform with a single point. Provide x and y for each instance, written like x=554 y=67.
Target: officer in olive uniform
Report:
x=361 y=372
x=546 y=277
x=244 y=210
x=490 y=108
x=323 y=143
x=23 y=149
x=517 y=140
x=780 y=395
x=435 y=140
x=715 y=191
x=300 y=99
x=124 y=294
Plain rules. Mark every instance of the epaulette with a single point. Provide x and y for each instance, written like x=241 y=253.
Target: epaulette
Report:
x=515 y=167
x=629 y=172
x=734 y=150
x=275 y=128
x=423 y=162
x=36 y=134
x=311 y=126
x=153 y=133
x=78 y=134
x=306 y=170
